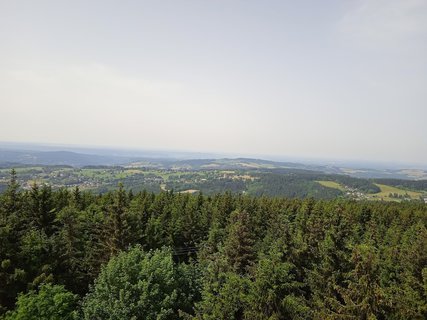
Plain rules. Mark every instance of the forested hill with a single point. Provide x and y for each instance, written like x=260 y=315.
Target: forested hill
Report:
x=256 y=181
x=68 y=254
x=20 y=155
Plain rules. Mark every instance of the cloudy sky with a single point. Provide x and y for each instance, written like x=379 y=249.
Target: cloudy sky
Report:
x=343 y=79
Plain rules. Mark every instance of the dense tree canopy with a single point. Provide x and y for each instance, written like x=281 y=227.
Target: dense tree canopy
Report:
x=123 y=255
x=141 y=285
x=50 y=302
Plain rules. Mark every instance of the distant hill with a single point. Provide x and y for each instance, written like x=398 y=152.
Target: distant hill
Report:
x=29 y=157
x=11 y=155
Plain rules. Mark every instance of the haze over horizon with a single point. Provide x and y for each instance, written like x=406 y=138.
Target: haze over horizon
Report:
x=330 y=79
x=180 y=154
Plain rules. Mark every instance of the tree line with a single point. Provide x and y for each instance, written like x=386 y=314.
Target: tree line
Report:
x=123 y=255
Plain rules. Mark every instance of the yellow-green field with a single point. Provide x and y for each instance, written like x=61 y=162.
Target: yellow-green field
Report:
x=383 y=195
x=386 y=190
x=331 y=184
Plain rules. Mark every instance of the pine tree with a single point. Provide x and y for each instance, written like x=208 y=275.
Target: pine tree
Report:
x=238 y=246
x=117 y=223
x=12 y=275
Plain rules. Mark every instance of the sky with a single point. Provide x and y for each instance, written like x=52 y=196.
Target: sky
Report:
x=343 y=79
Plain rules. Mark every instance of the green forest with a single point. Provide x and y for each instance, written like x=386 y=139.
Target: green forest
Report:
x=255 y=181
x=73 y=254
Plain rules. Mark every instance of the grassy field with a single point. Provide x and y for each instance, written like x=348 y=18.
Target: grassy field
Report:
x=103 y=179
x=22 y=170
x=383 y=195
x=414 y=173
x=331 y=184
x=386 y=190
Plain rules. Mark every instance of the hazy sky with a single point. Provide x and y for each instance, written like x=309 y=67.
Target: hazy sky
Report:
x=340 y=79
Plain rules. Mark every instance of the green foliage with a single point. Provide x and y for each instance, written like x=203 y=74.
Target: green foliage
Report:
x=275 y=294
x=140 y=285
x=238 y=246
x=222 y=256
x=48 y=303
x=225 y=298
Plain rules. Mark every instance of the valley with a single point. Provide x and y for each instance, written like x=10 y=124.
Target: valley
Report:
x=199 y=176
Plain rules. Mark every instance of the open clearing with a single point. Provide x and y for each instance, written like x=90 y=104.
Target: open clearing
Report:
x=415 y=174
x=331 y=184
x=386 y=190
x=189 y=191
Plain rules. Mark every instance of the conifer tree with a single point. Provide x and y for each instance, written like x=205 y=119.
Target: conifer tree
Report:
x=238 y=246
x=117 y=224
x=12 y=275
